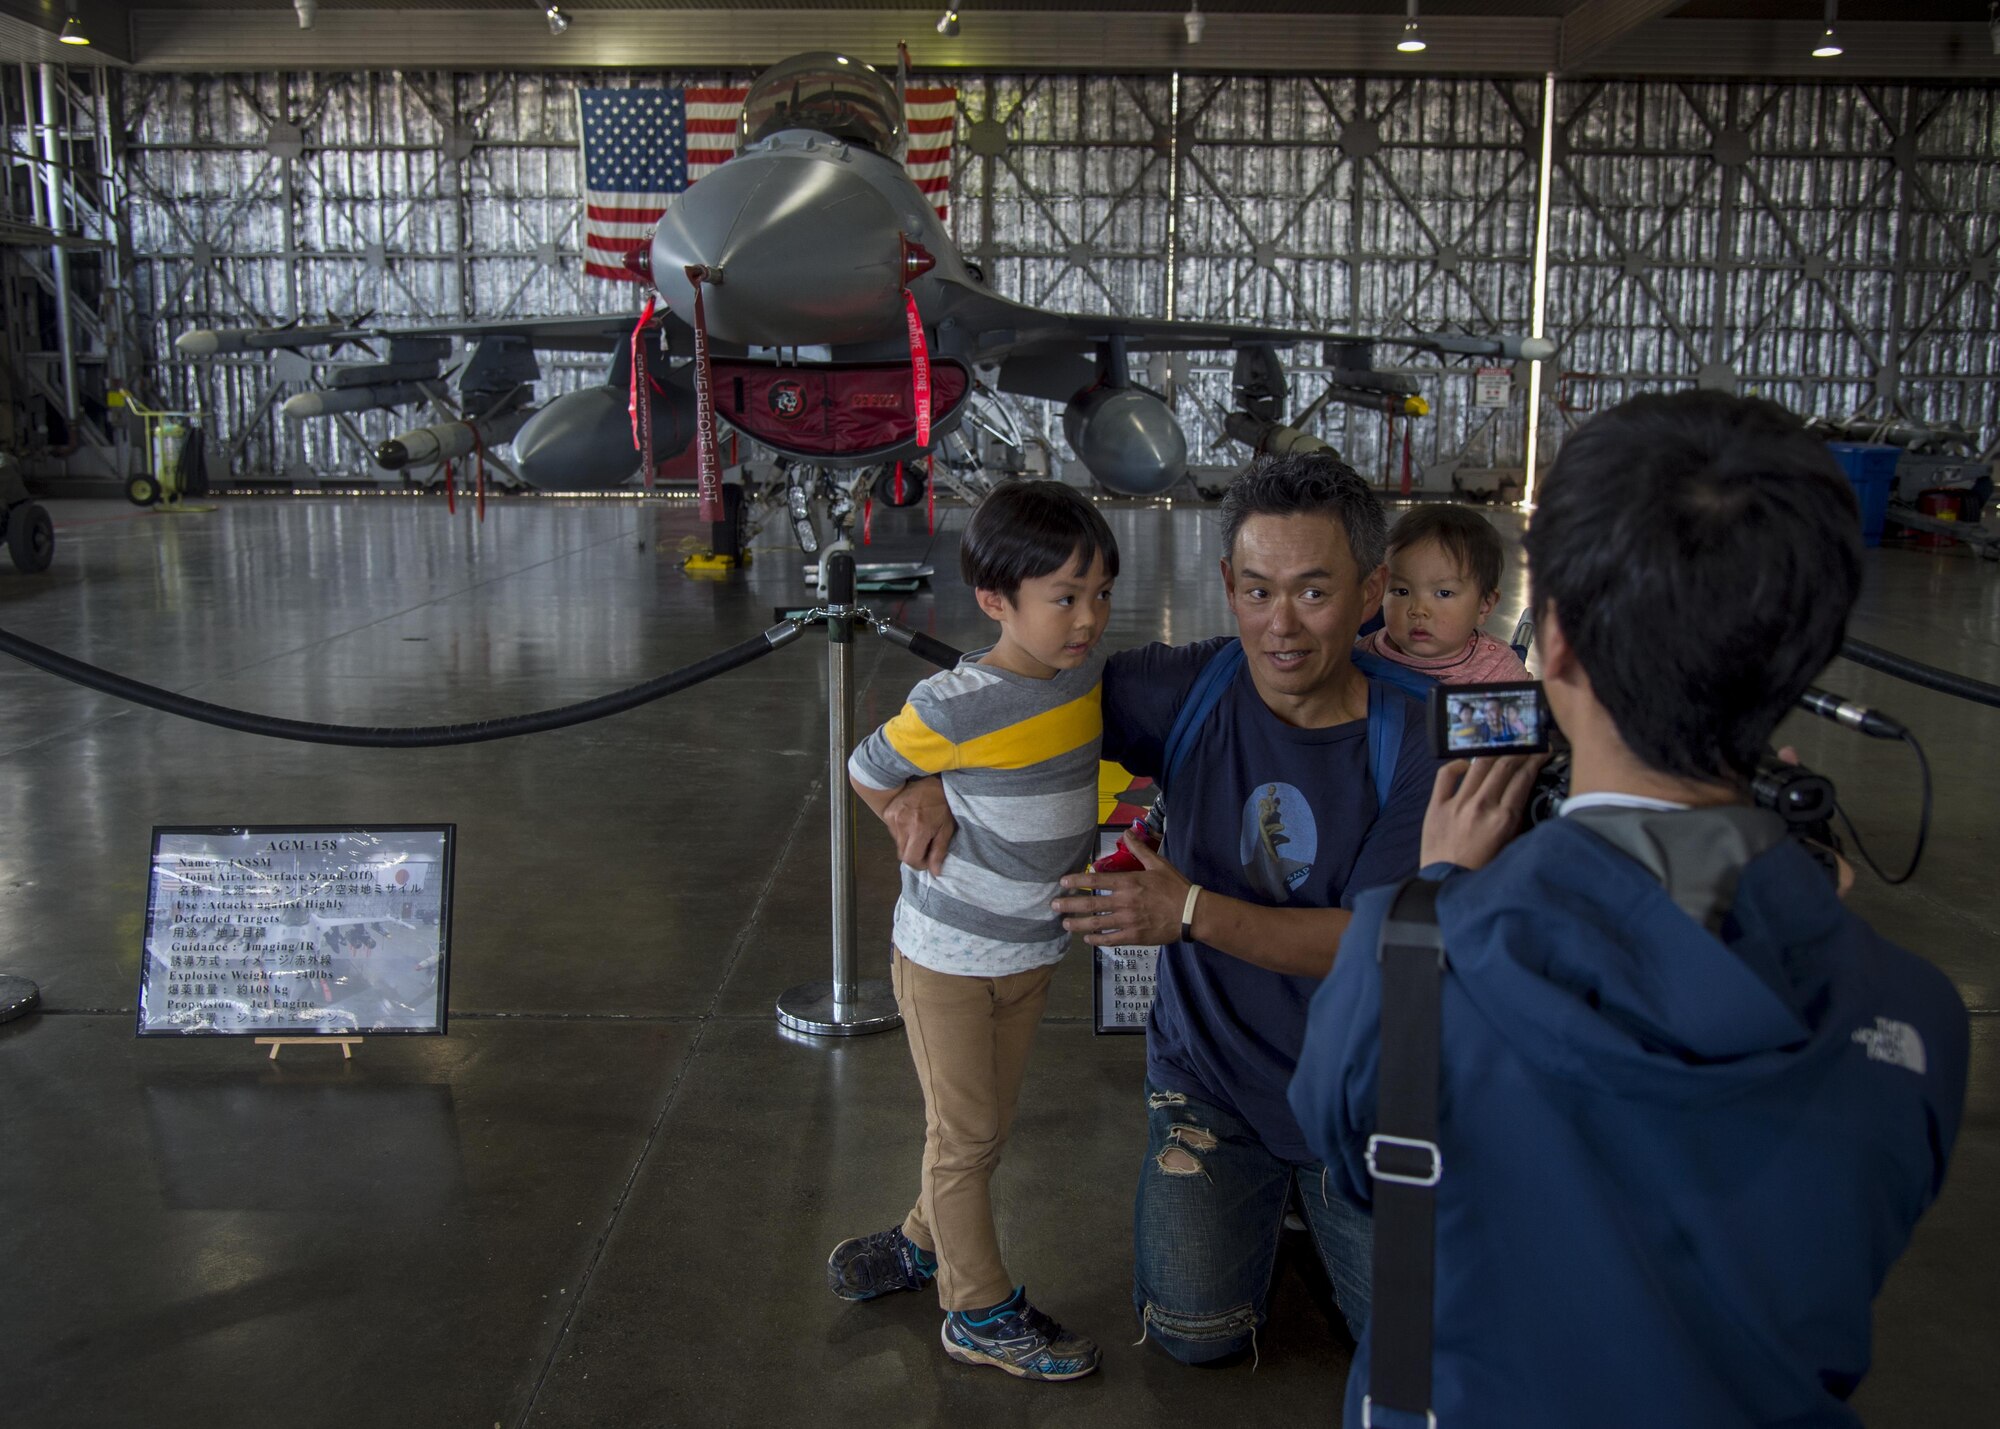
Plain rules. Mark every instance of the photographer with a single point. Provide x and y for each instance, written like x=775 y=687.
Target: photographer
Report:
x=1690 y=1107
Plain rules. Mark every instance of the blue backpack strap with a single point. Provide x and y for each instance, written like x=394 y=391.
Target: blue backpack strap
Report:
x=1385 y=716
x=1206 y=692
x=1385 y=739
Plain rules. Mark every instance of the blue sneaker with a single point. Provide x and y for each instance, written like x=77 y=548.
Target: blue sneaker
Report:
x=871 y=1265
x=1020 y=1339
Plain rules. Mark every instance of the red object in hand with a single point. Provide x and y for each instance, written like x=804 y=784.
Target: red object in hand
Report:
x=1122 y=859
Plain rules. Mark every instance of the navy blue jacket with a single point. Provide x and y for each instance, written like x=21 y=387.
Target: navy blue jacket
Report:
x=1677 y=1165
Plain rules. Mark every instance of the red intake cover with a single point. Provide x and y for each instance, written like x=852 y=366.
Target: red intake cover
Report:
x=825 y=410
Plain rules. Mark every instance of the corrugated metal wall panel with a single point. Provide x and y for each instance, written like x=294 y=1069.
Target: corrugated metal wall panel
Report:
x=1828 y=245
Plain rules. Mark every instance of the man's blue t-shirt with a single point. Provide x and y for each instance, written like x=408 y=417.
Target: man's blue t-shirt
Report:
x=1267 y=813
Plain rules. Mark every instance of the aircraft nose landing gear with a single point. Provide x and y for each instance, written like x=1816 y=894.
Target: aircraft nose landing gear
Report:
x=798 y=504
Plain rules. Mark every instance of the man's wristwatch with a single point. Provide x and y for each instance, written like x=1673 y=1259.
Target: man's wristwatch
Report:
x=1187 y=913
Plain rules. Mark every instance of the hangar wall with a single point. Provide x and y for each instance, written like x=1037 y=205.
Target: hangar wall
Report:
x=1830 y=244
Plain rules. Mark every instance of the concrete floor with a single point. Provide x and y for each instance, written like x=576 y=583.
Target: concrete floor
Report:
x=606 y=1197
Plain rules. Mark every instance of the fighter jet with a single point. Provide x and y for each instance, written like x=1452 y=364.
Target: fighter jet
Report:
x=809 y=300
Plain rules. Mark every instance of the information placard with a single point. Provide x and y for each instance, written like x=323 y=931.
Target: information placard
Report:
x=1493 y=387
x=1126 y=980
x=268 y=931
x=1125 y=976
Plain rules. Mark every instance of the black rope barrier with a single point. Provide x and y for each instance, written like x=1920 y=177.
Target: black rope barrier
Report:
x=394 y=737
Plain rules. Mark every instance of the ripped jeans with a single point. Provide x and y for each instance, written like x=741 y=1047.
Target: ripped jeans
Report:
x=1205 y=1230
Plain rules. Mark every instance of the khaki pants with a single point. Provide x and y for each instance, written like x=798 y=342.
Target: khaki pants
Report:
x=969 y=1037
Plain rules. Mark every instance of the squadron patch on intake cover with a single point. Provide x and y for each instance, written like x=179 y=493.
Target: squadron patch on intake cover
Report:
x=788 y=401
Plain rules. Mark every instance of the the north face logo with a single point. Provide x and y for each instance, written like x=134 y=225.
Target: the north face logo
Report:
x=1890 y=1041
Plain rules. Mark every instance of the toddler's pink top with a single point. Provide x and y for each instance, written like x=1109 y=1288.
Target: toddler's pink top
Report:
x=1483 y=661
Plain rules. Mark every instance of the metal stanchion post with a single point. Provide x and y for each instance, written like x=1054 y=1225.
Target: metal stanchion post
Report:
x=848 y=1005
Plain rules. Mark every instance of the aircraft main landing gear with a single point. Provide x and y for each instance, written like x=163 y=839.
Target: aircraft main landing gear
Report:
x=730 y=537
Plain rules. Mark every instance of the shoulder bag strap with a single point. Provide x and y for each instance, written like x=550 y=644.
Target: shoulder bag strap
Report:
x=1403 y=1157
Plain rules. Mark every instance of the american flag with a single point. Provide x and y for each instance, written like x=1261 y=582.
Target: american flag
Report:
x=642 y=146
x=928 y=117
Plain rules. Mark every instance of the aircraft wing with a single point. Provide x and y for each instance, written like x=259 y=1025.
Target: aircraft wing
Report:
x=1002 y=328
x=599 y=332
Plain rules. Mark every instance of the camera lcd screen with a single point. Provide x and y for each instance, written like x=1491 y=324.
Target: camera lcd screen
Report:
x=1470 y=720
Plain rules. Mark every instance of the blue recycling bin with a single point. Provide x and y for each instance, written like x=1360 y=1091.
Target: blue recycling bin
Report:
x=1871 y=470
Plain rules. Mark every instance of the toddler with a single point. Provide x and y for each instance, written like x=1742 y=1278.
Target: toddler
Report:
x=1444 y=578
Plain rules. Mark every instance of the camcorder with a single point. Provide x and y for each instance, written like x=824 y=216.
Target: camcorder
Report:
x=1473 y=721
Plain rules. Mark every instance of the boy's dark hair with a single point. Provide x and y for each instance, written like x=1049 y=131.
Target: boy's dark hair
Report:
x=1702 y=553
x=1466 y=536
x=1309 y=483
x=1025 y=529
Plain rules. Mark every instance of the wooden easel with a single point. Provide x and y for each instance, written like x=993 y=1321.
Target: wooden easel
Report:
x=346 y=1044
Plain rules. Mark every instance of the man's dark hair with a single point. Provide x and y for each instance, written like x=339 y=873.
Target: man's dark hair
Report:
x=1702 y=553
x=1465 y=536
x=1314 y=484
x=1025 y=529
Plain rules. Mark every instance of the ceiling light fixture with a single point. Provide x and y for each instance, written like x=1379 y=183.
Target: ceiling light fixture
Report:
x=558 y=22
x=72 y=30
x=1412 y=42
x=308 y=12
x=1195 y=21
x=1829 y=43
x=947 y=24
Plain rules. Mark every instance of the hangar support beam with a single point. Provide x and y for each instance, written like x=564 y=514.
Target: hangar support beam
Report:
x=1618 y=36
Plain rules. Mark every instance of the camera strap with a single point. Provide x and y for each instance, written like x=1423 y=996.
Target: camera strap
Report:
x=1404 y=1161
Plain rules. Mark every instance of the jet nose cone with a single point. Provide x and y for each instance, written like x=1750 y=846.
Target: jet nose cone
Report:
x=808 y=249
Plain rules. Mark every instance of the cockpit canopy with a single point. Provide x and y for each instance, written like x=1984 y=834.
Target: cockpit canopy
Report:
x=829 y=93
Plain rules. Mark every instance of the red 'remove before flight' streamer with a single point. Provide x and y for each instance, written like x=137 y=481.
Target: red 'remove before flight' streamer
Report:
x=709 y=482
x=920 y=368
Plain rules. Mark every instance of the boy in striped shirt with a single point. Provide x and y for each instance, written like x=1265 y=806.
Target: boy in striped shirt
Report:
x=1013 y=732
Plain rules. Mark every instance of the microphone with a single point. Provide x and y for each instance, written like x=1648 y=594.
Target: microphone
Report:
x=1844 y=711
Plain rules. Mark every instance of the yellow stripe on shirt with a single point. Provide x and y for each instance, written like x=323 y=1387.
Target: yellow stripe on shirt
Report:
x=917 y=742
x=1048 y=735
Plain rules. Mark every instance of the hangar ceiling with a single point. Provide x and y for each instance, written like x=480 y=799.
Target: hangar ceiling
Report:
x=1922 y=38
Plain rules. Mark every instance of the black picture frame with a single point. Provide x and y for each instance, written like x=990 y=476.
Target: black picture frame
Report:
x=448 y=836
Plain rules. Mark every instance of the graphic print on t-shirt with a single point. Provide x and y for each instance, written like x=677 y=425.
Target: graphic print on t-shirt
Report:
x=1279 y=840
